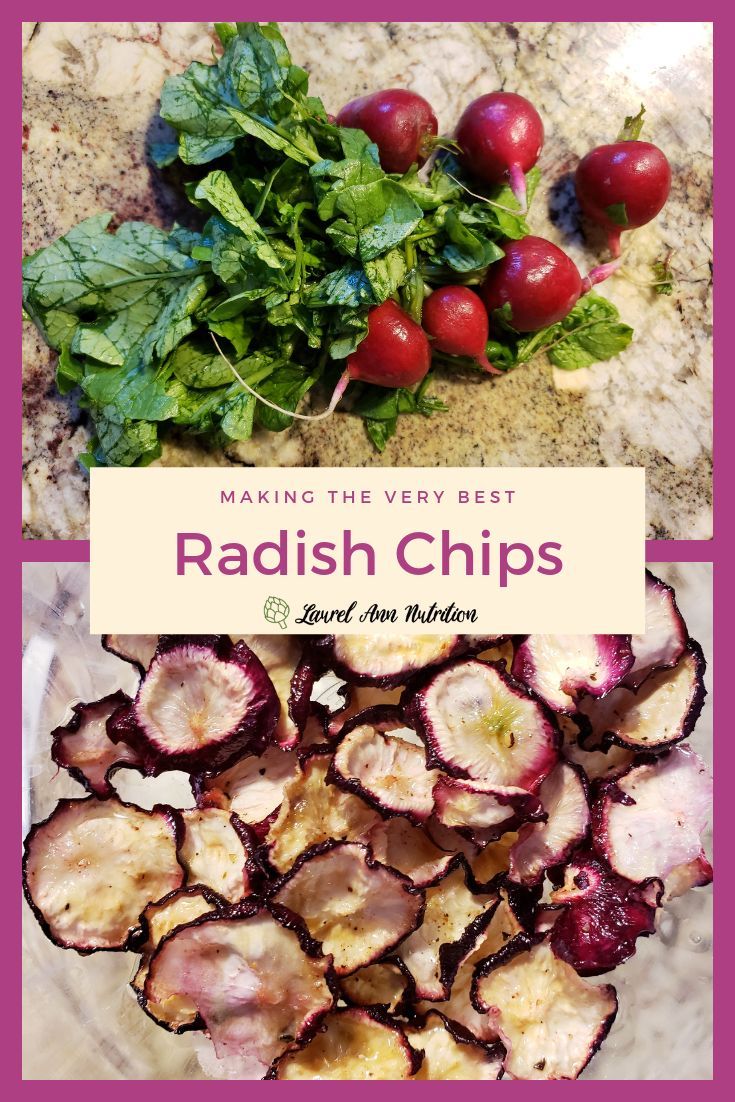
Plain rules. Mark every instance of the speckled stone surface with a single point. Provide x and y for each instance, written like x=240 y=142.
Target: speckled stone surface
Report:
x=91 y=92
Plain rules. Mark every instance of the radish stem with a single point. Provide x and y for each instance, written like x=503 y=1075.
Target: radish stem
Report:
x=338 y=392
x=490 y=202
x=601 y=273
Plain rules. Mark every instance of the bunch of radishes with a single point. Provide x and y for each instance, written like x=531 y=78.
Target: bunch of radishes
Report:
x=499 y=138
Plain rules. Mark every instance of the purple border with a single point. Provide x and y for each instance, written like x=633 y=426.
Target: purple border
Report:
x=17 y=550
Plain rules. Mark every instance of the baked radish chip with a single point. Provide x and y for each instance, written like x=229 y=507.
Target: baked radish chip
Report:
x=203 y=703
x=389 y=772
x=540 y=846
x=384 y=985
x=387 y=660
x=85 y=750
x=663 y=710
x=550 y=1021
x=409 y=849
x=355 y=907
x=313 y=812
x=253 y=787
x=248 y=980
x=452 y=919
x=601 y=915
x=451 y=1052
x=484 y=812
x=649 y=822
x=479 y=723
x=352 y=1044
x=93 y=866
x=562 y=668
x=665 y=637
x=160 y=919
x=214 y=852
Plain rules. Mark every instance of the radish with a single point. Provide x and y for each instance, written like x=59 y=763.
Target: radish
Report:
x=395 y=353
x=401 y=123
x=624 y=185
x=501 y=136
x=537 y=280
x=457 y=322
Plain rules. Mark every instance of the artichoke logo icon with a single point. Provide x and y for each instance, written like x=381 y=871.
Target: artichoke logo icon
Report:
x=276 y=612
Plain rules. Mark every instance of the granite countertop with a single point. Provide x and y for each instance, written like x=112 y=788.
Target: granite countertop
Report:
x=90 y=104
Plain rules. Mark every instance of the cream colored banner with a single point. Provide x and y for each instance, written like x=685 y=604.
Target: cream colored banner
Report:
x=403 y=550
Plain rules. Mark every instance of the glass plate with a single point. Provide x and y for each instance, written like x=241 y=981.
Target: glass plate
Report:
x=80 y=1019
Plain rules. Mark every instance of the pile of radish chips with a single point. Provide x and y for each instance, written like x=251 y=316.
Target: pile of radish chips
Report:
x=403 y=856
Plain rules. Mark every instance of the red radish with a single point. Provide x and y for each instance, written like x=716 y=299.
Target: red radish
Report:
x=401 y=123
x=539 y=282
x=395 y=352
x=623 y=186
x=457 y=322
x=501 y=136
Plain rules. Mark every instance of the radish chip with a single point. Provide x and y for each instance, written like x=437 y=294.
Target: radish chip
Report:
x=214 y=852
x=353 y=1044
x=451 y=1052
x=203 y=703
x=410 y=850
x=479 y=723
x=355 y=907
x=665 y=637
x=160 y=919
x=387 y=660
x=453 y=916
x=539 y=846
x=248 y=980
x=384 y=769
x=92 y=867
x=85 y=750
x=551 y=1021
x=649 y=822
x=561 y=668
x=601 y=916
x=313 y=812
x=663 y=710
x=483 y=811
x=384 y=985
x=253 y=787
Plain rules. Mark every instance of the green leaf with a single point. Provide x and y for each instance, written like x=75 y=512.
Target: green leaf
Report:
x=467 y=251
x=632 y=127
x=617 y=213
x=591 y=332
x=346 y=286
x=380 y=432
x=198 y=364
x=285 y=387
x=122 y=442
x=663 y=277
